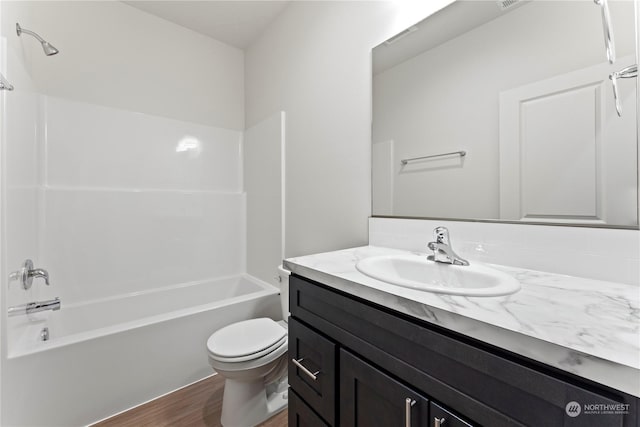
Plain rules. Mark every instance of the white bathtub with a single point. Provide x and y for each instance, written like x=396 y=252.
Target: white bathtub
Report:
x=109 y=355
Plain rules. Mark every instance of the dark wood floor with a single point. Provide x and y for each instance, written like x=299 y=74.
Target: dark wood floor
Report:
x=197 y=405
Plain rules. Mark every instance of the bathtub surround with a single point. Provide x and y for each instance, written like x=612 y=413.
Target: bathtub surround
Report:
x=264 y=179
x=144 y=194
x=159 y=214
x=135 y=211
x=116 y=135
x=18 y=178
x=123 y=313
x=159 y=201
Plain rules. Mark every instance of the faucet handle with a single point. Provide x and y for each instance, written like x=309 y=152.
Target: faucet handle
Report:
x=27 y=273
x=40 y=272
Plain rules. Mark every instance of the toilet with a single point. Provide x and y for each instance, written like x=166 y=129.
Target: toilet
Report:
x=252 y=357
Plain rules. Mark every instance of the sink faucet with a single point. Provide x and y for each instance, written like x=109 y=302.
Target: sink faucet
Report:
x=442 y=250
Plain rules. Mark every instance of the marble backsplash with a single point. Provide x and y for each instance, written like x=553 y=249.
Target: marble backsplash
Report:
x=595 y=253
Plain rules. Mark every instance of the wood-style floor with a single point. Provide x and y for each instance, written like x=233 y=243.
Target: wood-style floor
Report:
x=197 y=405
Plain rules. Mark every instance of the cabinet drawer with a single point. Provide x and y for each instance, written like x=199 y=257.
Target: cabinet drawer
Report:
x=300 y=415
x=312 y=369
x=441 y=417
x=494 y=390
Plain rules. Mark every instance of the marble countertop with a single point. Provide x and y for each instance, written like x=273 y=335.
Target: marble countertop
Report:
x=590 y=328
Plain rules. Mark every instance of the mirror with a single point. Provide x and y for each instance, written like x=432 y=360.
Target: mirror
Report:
x=504 y=111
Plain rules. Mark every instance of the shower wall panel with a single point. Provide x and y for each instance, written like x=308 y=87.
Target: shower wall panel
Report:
x=133 y=202
x=93 y=146
x=264 y=184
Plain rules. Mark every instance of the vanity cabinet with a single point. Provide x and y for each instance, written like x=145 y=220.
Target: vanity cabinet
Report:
x=355 y=363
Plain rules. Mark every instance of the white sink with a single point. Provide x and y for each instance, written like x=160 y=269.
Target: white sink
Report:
x=416 y=272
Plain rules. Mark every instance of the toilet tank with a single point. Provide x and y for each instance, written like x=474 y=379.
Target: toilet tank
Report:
x=283 y=275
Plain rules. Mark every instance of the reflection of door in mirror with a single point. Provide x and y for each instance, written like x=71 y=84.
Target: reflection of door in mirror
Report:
x=526 y=93
x=554 y=165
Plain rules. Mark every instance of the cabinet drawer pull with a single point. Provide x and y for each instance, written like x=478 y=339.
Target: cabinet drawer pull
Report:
x=408 y=403
x=438 y=422
x=312 y=375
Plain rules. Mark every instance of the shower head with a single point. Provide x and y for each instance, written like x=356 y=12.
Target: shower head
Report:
x=49 y=49
x=46 y=46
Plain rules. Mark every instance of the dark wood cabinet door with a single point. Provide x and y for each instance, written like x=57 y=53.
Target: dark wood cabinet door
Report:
x=300 y=415
x=369 y=397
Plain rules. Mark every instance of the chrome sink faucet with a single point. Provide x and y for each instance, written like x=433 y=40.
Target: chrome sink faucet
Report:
x=442 y=250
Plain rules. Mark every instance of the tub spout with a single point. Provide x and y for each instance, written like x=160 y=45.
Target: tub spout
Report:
x=34 y=307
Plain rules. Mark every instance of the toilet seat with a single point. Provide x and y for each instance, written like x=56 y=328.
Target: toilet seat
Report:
x=252 y=356
x=247 y=340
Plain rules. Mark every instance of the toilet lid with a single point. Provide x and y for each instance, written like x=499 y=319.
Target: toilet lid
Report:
x=246 y=338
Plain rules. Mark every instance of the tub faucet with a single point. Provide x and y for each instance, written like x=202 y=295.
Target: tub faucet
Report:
x=442 y=250
x=34 y=307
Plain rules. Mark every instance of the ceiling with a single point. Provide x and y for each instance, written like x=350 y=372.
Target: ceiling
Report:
x=237 y=23
x=446 y=24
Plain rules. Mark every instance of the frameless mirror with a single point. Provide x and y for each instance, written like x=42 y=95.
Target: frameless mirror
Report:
x=505 y=110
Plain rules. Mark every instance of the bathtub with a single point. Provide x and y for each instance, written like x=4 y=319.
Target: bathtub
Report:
x=108 y=355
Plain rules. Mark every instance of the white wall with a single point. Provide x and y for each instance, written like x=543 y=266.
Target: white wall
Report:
x=314 y=62
x=115 y=55
x=447 y=99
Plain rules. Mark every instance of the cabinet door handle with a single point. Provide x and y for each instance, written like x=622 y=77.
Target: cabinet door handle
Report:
x=312 y=375
x=408 y=403
x=437 y=422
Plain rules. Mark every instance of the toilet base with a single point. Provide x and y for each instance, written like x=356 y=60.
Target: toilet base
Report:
x=246 y=404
